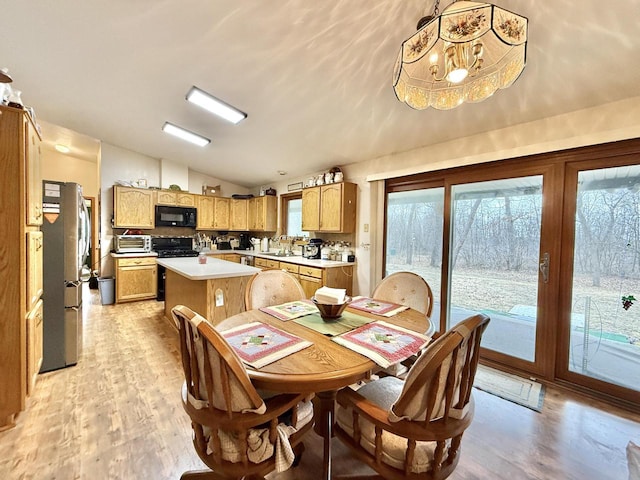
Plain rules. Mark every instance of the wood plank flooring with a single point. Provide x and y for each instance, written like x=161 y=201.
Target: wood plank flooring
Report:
x=117 y=415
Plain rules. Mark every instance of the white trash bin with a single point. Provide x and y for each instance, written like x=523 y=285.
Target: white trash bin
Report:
x=106 y=286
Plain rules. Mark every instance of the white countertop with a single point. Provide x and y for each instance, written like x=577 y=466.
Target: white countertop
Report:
x=297 y=259
x=189 y=268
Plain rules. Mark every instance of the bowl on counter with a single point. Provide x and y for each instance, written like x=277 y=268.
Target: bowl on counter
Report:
x=331 y=311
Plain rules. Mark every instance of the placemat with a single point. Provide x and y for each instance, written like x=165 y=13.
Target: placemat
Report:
x=383 y=343
x=377 y=307
x=258 y=344
x=291 y=310
x=345 y=323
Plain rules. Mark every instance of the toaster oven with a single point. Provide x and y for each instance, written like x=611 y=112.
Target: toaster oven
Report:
x=133 y=243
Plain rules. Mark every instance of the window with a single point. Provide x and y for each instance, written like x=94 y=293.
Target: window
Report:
x=292 y=215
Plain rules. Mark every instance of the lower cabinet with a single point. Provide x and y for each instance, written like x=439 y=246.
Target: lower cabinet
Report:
x=136 y=278
x=34 y=345
x=232 y=257
x=265 y=263
x=312 y=278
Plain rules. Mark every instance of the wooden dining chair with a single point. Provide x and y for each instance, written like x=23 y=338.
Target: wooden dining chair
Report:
x=411 y=290
x=406 y=288
x=236 y=432
x=272 y=287
x=412 y=429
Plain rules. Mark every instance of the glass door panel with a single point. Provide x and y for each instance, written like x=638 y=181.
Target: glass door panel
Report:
x=494 y=260
x=604 y=338
x=414 y=237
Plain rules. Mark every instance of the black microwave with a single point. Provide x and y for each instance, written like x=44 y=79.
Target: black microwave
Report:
x=167 y=216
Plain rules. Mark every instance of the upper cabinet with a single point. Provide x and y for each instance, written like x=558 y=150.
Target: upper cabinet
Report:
x=221 y=220
x=181 y=199
x=238 y=214
x=330 y=208
x=205 y=215
x=133 y=207
x=34 y=178
x=262 y=213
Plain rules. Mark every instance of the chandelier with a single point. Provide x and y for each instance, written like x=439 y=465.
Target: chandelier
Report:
x=463 y=55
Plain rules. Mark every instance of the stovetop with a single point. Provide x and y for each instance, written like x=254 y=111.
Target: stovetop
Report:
x=174 y=253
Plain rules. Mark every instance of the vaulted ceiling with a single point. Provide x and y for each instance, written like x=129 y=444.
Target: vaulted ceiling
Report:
x=313 y=76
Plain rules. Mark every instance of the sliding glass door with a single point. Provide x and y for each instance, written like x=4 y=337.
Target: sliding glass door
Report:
x=547 y=246
x=601 y=338
x=494 y=255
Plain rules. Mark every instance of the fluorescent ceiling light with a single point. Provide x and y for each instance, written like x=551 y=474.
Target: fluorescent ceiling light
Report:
x=212 y=104
x=62 y=148
x=185 y=134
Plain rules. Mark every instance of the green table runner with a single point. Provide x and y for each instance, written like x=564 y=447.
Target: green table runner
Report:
x=345 y=323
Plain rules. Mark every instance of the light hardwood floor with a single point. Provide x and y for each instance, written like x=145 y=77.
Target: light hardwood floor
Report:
x=117 y=415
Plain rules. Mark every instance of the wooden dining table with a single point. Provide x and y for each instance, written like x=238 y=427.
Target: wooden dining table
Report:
x=322 y=368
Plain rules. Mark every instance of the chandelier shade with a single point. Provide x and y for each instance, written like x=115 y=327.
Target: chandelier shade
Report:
x=463 y=55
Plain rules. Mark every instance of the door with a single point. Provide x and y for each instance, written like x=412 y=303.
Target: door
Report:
x=600 y=338
x=311 y=209
x=331 y=207
x=485 y=242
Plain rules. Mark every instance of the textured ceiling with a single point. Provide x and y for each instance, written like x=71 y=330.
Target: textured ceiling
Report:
x=313 y=76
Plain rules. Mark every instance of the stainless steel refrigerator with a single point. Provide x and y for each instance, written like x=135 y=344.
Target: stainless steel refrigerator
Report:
x=66 y=236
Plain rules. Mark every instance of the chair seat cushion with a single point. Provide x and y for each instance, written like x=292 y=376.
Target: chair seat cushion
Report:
x=260 y=448
x=384 y=393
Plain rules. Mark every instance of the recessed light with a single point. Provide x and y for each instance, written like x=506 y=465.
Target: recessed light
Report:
x=281 y=172
x=62 y=148
x=185 y=134
x=215 y=106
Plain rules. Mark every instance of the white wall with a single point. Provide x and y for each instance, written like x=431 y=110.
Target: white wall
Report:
x=67 y=168
x=119 y=164
x=172 y=173
x=197 y=180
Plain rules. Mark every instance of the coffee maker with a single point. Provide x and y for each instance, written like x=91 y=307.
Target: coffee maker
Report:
x=312 y=249
x=245 y=242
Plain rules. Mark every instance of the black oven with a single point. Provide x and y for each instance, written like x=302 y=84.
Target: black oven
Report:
x=168 y=216
x=170 y=247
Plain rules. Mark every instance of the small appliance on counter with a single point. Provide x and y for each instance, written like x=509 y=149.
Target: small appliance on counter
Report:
x=133 y=243
x=245 y=242
x=223 y=242
x=312 y=250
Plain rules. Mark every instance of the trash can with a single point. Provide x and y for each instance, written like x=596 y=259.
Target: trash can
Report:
x=106 y=285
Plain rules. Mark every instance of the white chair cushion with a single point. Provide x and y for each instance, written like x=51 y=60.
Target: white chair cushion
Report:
x=633 y=460
x=384 y=393
x=260 y=448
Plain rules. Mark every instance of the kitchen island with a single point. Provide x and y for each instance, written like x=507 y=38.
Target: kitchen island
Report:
x=214 y=289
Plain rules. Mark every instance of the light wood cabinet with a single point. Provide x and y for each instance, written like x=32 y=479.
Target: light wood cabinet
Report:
x=330 y=208
x=34 y=346
x=265 y=263
x=206 y=208
x=34 y=268
x=20 y=210
x=136 y=278
x=262 y=214
x=171 y=197
x=133 y=207
x=232 y=257
x=221 y=213
x=34 y=177
x=311 y=209
x=312 y=278
x=238 y=210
